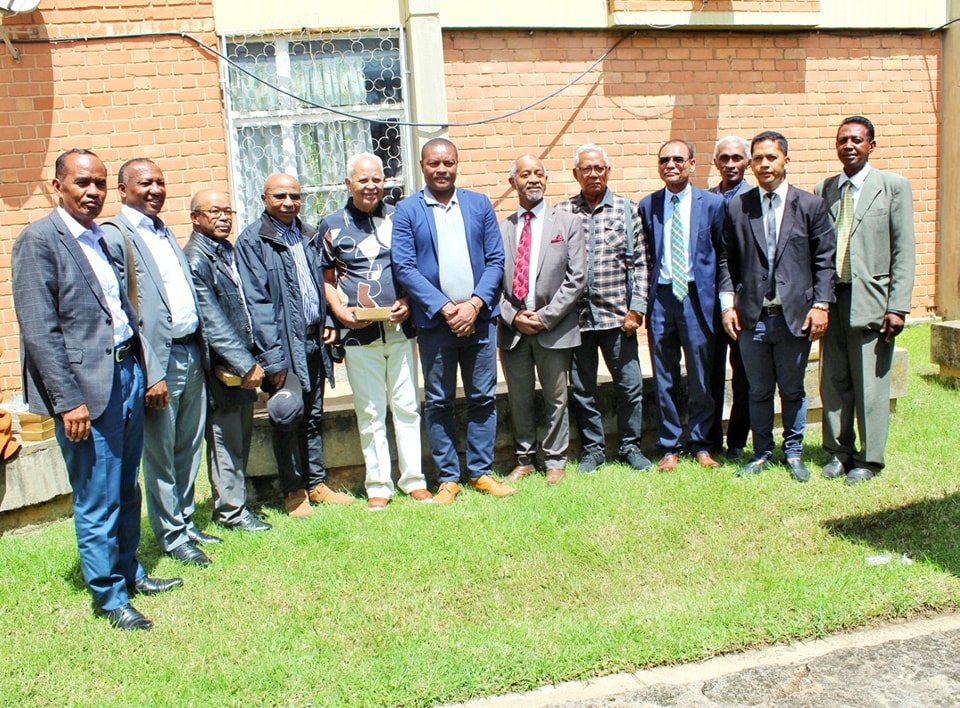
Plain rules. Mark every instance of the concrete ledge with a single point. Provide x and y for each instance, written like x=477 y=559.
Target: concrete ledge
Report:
x=945 y=347
x=34 y=486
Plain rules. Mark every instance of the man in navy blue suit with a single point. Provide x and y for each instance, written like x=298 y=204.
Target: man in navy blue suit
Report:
x=683 y=226
x=448 y=256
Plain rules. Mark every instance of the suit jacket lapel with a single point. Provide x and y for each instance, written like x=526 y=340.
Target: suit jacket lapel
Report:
x=786 y=224
x=868 y=192
x=656 y=217
x=146 y=258
x=693 y=239
x=754 y=209
x=69 y=242
x=546 y=235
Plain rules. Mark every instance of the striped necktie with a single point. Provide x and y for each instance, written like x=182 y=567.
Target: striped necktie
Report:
x=678 y=252
x=844 y=225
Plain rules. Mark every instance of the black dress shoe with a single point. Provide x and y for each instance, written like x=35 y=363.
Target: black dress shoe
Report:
x=126 y=617
x=247 y=522
x=152 y=586
x=188 y=554
x=753 y=467
x=197 y=536
x=834 y=469
x=859 y=474
x=798 y=469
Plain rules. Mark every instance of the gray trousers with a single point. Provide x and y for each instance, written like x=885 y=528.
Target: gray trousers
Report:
x=172 y=448
x=855 y=369
x=228 y=449
x=551 y=367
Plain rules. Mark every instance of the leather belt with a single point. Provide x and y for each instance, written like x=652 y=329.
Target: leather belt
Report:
x=123 y=350
x=313 y=330
x=773 y=310
x=185 y=339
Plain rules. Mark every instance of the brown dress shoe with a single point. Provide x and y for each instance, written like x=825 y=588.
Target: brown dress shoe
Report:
x=489 y=485
x=421 y=495
x=447 y=493
x=706 y=460
x=322 y=494
x=297 y=504
x=668 y=463
x=555 y=475
x=377 y=503
x=519 y=472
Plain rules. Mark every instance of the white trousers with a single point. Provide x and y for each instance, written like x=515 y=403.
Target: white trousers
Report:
x=379 y=372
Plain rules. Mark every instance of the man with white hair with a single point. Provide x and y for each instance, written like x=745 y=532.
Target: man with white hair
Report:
x=376 y=330
x=730 y=157
x=612 y=308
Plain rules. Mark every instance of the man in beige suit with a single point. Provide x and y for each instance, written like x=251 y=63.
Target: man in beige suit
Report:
x=545 y=270
x=872 y=212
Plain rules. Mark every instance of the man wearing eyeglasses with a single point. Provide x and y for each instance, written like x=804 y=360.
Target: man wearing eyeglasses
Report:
x=280 y=268
x=683 y=226
x=226 y=327
x=730 y=157
x=611 y=311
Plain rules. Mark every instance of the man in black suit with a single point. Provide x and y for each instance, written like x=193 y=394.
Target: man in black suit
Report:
x=776 y=286
x=82 y=364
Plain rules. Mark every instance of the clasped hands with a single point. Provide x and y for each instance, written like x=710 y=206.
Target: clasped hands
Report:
x=461 y=317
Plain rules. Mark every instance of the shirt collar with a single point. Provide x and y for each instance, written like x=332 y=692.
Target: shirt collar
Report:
x=683 y=194
x=433 y=201
x=357 y=213
x=857 y=179
x=138 y=218
x=77 y=229
x=283 y=228
x=780 y=191
x=537 y=211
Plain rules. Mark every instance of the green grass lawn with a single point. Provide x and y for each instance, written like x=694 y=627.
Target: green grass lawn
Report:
x=421 y=605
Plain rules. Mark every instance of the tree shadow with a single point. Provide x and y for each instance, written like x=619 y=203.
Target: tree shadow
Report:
x=925 y=530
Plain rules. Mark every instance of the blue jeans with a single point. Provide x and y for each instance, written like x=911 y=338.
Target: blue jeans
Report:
x=773 y=357
x=104 y=474
x=441 y=353
x=620 y=355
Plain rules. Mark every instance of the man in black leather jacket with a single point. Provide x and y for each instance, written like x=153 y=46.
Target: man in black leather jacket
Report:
x=234 y=373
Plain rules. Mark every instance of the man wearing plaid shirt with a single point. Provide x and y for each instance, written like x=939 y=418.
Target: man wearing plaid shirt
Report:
x=612 y=308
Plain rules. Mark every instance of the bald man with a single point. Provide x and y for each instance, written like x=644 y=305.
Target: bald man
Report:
x=545 y=270
x=280 y=268
x=230 y=350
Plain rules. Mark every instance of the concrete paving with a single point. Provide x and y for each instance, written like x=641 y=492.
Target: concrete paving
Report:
x=909 y=663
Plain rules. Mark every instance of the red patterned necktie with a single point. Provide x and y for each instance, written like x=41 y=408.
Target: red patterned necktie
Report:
x=521 y=274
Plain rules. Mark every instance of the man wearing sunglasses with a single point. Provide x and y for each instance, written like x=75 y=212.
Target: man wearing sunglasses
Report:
x=280 y=268
x=683 y=226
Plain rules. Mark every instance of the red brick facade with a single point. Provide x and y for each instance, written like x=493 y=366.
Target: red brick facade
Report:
x=159 y=97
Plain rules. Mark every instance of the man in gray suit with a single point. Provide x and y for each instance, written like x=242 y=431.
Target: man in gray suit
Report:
x=545 y=270
x=176 y=398
x=82 y=360
x=872 y=214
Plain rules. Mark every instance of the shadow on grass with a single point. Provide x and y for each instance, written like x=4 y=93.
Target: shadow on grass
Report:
x=926 y=530
x=946 y=383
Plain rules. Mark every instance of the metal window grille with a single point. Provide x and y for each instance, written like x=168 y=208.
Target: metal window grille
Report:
x=359 y=72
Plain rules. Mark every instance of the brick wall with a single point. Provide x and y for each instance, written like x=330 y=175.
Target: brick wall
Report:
x=699 y=86
x=148 y=97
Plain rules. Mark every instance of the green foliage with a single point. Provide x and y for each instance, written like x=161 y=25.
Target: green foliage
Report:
x=421 y=605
